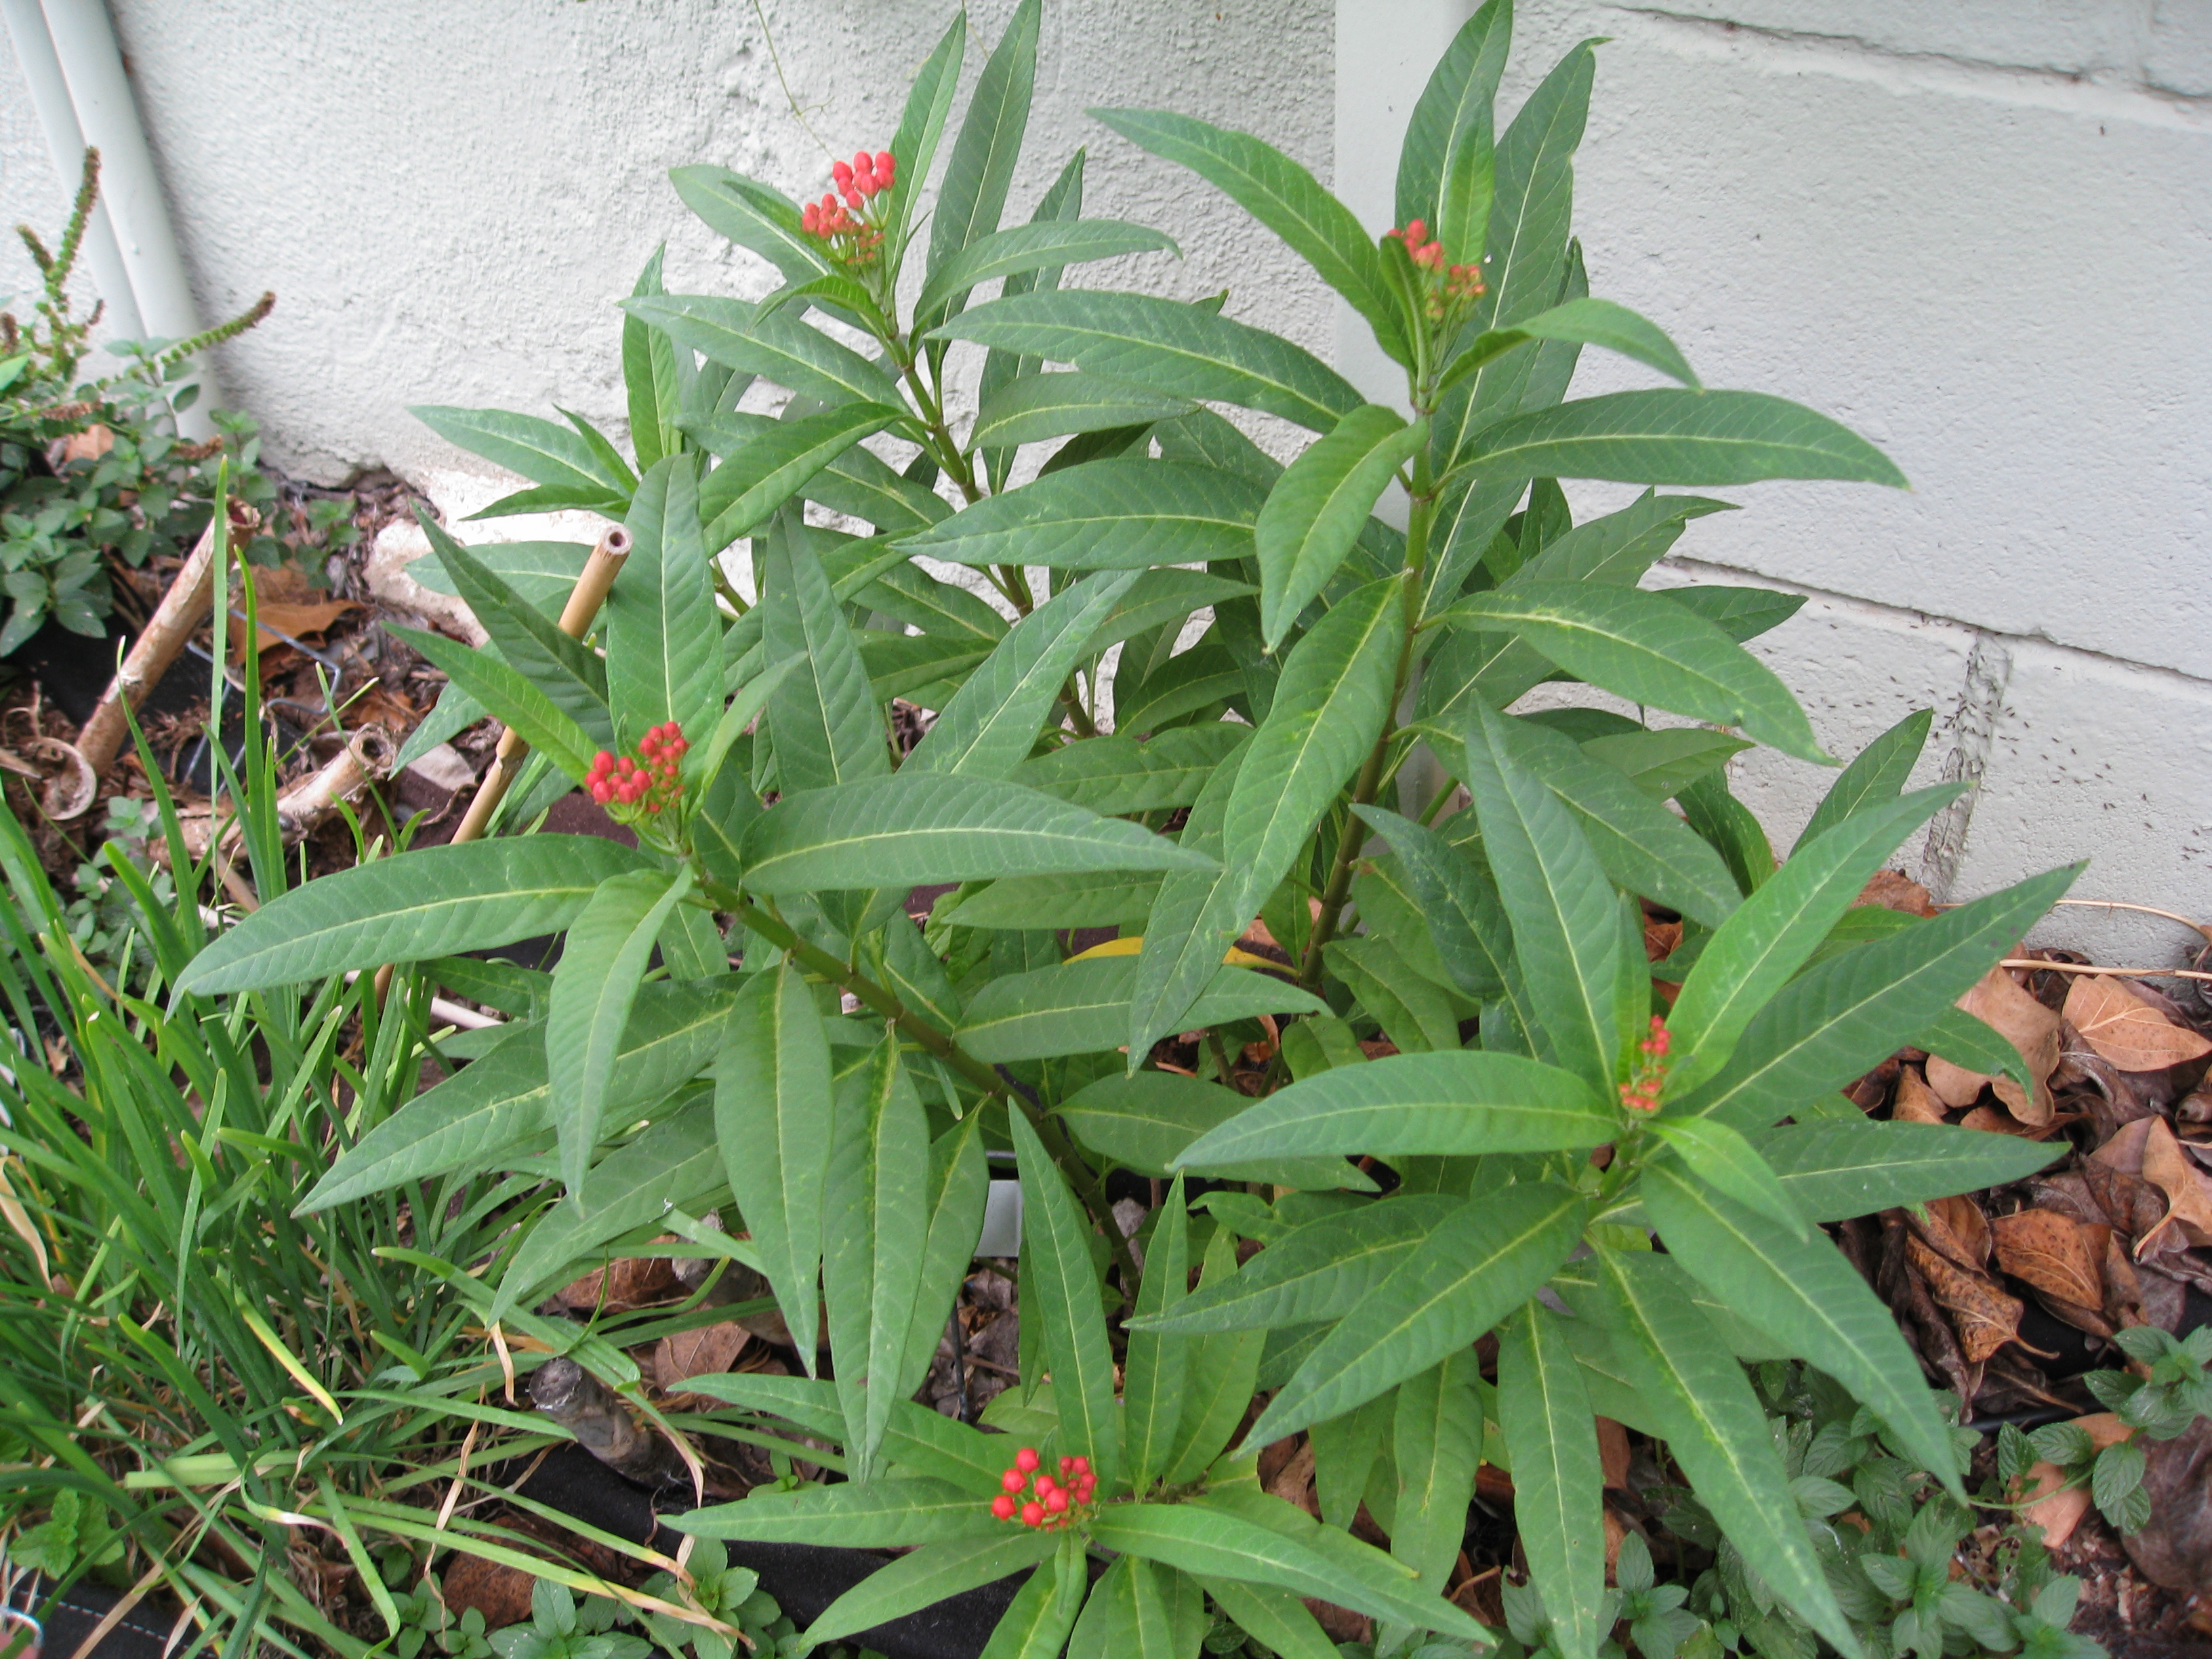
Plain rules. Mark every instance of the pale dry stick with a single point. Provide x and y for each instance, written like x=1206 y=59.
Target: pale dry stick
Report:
x=190 y=597
x=2197 y=927
x=2109 y=973
x=585 y=600
x=367 y=756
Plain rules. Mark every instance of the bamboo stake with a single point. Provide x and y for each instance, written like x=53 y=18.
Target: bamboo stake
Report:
x=191 y=595
x=585 y=600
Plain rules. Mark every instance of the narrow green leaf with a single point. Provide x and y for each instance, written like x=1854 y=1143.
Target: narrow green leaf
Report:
x=1346 y=1449
x=878 y=1189
x=1331 y=703
x=1958 y=1036
x=1035 y=1626
x=605 y=957
x=762 y=468
x=1114 y=777
x=1273 y=1615
x=1648 y=649
x=509 y=696
x=1802 y=1293
x=974 y=191
x=927 y=1577
x=542 y=450
x=1158 y=1363
x=881 y=1514
x=1287 y=199
x=922 y=125
x=1417 y=1014
x=1775 y=932
x=1741 y=613
x=1065 y=1287
x=959 y=1186
x=663 y=632
x=824 y=719
x=1223 y=1371
x=1083 y=1007
x=1458 y=901
x=1842 y=1018
x=923 y=827
x=568 y=673
x=1181 y=350
x=1480 y=1264
x=1453 y=108
x=1696 y=1394
x=773 y=1116
x=1022 y=248
x=1679 y=437
x=1559 y=1477
x=1661 y=763
x=652 y=377
x=991 y=723
x=1877 y=774
x=1041 y=406
x=1103 y=516
x=1436 y=1443
x=1315 y=510
x=1585 y=321
x=753 y=217
x=434 y=902
x=1565 y=925
x=1834 y=1169
x=1143 y=1121
x=1725 y=1161
x=781 y=347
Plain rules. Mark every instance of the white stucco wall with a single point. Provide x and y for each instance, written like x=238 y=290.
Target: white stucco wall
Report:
x=1980 y=232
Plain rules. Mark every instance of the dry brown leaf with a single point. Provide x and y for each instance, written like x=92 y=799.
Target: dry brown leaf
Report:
x=2053 y=1253
x=302 y=621
x=1998 y=1002
x=627 y=1283
x=1916 y=1102
x=1984 y=1317
x=2057 y=1510
x=1953 y=1086
x=1957 y=1227
x=1893 y=889
x=702 y=1353
x=1613 y=1452
x=2188 y=1189
x=2126 y=1029
x=2123 y=1291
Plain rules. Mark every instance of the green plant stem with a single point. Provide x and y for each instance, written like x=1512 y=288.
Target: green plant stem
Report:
x=1086 y=1181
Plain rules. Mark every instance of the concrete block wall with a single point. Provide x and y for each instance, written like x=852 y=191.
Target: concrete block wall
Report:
x=1980 y=234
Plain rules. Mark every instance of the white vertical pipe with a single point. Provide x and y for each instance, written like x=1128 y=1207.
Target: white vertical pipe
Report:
x=42 y=74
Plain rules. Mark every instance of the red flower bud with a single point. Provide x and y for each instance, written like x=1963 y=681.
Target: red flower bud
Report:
x=1417 y=231
x=1032 y=1513
x=1003 y=1507
x=1026 y=1460
x=842 y=172
x=1081 y=1465
x=1055 y=1501
x=886 y=167
x=1012 y=1481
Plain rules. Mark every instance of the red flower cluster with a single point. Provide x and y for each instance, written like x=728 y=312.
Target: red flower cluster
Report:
x=1053 y=1503
x=857 y=180
x=1449 y=285
x=652 y=780
x=1649 y=1075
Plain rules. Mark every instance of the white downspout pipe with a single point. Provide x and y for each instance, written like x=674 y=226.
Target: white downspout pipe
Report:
x=81 y=40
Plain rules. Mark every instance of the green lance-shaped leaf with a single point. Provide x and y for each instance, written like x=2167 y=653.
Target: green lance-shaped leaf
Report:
x=1721 y=1159
x=922 y=827
x=1319 y=1271
x=1458 y=900
x=1773 y=933
x=1436 y=1442
x=435 y=902
x=507 y=696
x=542 y=450
x=1317 y=508
x=850 y=480
x=1126 y=1614
x=1487 y=1258
x=1274 y=1616
x=1566 y=928
x=1103 y=516
x=1956 y=1035
x=1661 y=763
x=1833 y=1170
x=1802 y=1293
x=1453 y=114
x=753 y=217
x=1434 y=1105
x=824 y=719
x=1416 y=1013
x=927 y=1577
x=568 y=673
x=1083 y=1007
x=974 y=191
x=1585 y=321
x=880 y=1515
x=991 y=723
x=1287 y=199
x=1061 y=204
x=1648 y=649
x=655 y=378
x=779 y=348
x=1217 y=1383
x=1846 y=1016
x=1065 y=1287
x=1184 y=351
x=1329 y=706
x=763 y=470
x=876 y=1206
x=539 y=574
x=1158 y=1362
x=1741 y=613
x=922 y=125
x=1346 y=1450
x=1115 y=775
x=1037 y=246
x=1679 y=437
x=1216 y=1542
x=1878 y=773
x=664 y=633
x=1697 y=1398
x=1041 y=406
x=773 y=1115
x=608 y=949
x=917 y=1441
x=959 y=1185
x=1558 y=1477
x=1035 y=1625
x=1143 y=1120
x=1020 y=904
x=907 y=593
